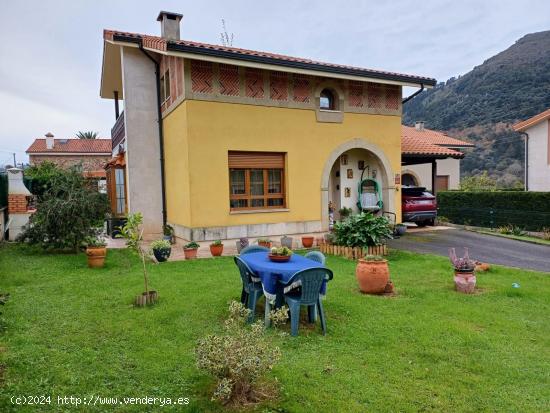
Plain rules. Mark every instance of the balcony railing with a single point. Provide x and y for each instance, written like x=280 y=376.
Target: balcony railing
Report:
x=117 y=131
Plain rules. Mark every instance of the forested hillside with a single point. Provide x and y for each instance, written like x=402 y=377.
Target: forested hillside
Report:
x=482 y=105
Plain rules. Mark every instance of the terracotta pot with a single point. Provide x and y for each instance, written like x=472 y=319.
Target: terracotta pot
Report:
x=307 y=242
x=216 y=250
x=144 y=299
x=264 y=244
x=190 y=253
x=279 y=258
x=372 y=276
x=465 y=281
x=96 y=256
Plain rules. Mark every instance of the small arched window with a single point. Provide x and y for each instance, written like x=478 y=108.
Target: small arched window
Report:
x=327 y=100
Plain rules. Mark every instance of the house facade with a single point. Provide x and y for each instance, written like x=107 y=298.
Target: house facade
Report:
x=249 y=143
x=88 y=154
x=536 y=134
x=445 y=151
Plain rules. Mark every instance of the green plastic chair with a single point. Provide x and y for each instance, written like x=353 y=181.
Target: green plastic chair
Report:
x=253 y=248
x=316 y=256
x=309 y=295
x=252 y=291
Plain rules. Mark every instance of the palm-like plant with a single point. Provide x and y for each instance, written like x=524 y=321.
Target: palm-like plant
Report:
x=87 y=135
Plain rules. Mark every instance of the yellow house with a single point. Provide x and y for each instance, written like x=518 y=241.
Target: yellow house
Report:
x=250 y=143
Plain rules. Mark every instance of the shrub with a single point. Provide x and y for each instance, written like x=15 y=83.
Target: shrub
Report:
x=482 y=182
x=511 y=230
x=345 y=212
x=241 y=356
x=362 y=230
x=40 y=177
x=70 y=211
x=528 y=210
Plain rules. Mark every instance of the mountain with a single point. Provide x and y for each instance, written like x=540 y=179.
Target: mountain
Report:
x=481 y=106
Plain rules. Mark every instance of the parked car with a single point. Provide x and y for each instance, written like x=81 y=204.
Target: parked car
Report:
x=418 y=205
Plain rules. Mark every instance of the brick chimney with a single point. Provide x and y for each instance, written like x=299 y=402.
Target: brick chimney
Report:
x=419 y=125
x=49 y=140
x=169 y=25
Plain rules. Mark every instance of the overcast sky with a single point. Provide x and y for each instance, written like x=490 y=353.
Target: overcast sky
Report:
x=51 y=51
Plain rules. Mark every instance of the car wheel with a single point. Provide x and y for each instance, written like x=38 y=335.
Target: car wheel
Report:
x=431 y=222
x=421 y=223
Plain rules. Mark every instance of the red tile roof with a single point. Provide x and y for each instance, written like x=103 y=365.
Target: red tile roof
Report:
x=161 y=44
x=418 y=146
x=523 y=125
x=100 y=146
x=433 y=137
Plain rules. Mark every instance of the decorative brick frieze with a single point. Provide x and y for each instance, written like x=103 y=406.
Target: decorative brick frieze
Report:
x=278 y=86
x=301 y=88
x=393 y=95
x=229 y=80
x=254 y=83
x=202 y=77
x=355 y=94
x=374 y=95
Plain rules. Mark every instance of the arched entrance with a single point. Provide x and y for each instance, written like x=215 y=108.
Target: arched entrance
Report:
x=342 y=174
x=408 y=178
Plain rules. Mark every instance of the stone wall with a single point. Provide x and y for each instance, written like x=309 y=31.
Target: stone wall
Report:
x=88 y=162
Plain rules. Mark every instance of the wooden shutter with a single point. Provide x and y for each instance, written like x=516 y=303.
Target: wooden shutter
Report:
x=262 y=160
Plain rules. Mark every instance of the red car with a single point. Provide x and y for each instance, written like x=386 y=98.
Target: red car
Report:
x=418 y=206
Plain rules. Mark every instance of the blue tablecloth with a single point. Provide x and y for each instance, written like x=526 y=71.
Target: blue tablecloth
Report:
x=273 y=274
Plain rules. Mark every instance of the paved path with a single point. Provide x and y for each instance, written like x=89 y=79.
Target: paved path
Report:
x=486 y=248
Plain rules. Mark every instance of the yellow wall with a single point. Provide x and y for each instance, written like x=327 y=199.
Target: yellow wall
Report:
x=211 y=129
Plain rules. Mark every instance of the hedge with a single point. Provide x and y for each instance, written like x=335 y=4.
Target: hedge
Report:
x=529 y=210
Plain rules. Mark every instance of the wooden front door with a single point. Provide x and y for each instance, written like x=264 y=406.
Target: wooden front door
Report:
x=442 y=183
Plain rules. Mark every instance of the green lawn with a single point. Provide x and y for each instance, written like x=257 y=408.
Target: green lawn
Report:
x=73 y=331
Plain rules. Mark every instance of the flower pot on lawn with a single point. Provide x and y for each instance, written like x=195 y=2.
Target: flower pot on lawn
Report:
x=96 y=256
x=372 y=275
x=307 y=242
x=190 y=250
x=216 y=248
x=465 y=281
x=162 y=254
x=146 y=298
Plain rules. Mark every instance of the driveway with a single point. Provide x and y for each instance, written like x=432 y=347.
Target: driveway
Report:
x=482 y=247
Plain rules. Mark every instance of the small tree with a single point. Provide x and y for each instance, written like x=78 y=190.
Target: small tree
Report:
x=41 y=177
x=87 y=135
x=70 y=211
x=132 y=232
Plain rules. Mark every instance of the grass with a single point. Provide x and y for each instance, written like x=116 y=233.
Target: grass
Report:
x=73 y=331
x=527 y=238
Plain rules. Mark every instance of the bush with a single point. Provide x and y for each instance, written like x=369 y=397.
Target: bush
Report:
x=70 y=211
x=362 y=230
x=477 y=183
x=240 y=357
x=40 y=177
x=528 y=210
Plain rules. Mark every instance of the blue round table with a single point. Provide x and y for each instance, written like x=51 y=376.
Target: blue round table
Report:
x=276 y=274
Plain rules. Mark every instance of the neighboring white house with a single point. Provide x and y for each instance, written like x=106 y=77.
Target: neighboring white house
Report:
x=418 y=139
x=536 y=133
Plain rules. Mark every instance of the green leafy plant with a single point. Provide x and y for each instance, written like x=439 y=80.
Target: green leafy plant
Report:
x=266 y=240
x=240 y=357
x=160 y=244
x=361 y=230
x=191 y=245
x=168 y=230
x=87 y=135
x=133 y=234
x=345 y=212
x=97 y=241
x=40 y=177
x=511 y=230
x=282 y=251
x=69 y=212
x=478 y=183
x=216 y=243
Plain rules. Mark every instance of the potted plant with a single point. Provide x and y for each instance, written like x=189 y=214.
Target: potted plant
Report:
x=241 y=244
x=373 y=274
x=344 y=213
x=465 y=278
x=280 y=254
x=168 y=232
x=286 y=241
x=307 y=241
x=216 y=248
x=190 y=250
x=133 y=234
x=96 y=251
x=399 y=229
x=264 y=242
x=161 y=249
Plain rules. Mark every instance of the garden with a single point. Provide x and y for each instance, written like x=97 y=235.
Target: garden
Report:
x=107 y=327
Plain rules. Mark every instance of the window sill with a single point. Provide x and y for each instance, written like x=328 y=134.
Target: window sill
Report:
x=258 y=211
